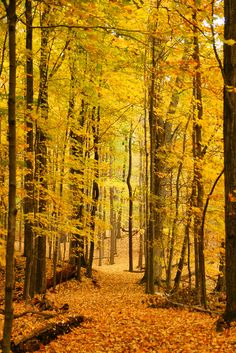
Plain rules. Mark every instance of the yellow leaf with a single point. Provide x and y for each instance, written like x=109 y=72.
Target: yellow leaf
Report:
x=229 y=41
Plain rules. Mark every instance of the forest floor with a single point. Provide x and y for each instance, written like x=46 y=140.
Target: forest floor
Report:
x=118 y=320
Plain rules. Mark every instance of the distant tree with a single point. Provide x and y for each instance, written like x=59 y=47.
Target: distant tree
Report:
x=112 y=216
x=130 y=189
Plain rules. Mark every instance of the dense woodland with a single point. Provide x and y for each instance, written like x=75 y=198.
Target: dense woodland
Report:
x=115 y=118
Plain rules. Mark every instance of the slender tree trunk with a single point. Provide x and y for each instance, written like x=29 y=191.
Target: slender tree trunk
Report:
x=184 y=246
x=174 y=230
x=112 y=231
x=130 y=200
x=230 y=156
x=95 y=188
x=146 y=182
x=41 y=152
x=120 y=212
x=3 y=206
x=62 y=176
x=220 y=285
x=9 y=277
x=101 y=233
x=198 y=179
x=112 y=218
x=29 y=188
x=159 y=135
x=171 y=111
x=77 y=256
x=141 y=206
x=152 y=127
x=77 y=153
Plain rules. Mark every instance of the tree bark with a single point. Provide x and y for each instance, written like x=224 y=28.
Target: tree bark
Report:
x=150 y=232
x=41 y=152
x=77 y=256
x=28 y=182
x=95 y=188
x=130 y=200
x=230 y=156
x=9 y=277
x=141 y=206
x=198 y=189
x=112 y=218
x=220 y=285
x=171 y=111
x=184 y=248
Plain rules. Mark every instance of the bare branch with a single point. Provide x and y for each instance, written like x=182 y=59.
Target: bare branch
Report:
x=191 y=23
x=34 y=312
x=87 y=28
x=3 y=52
x=214 y=41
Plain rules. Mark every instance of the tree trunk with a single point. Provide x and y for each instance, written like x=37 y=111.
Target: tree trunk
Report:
x=150 y=232
x=29 y=188
x=220 y=285
x=41 y=151
x=95 y=188
x=120 y=211
x=9 y=277
x=77 y=153
x=77 y=243
x=141 y=206
x=112 y=219
x=101 y=232
x=130 y=201
x=184 y=247
x=198 y=190
x=146 y=180
x=171 y=111
x=230 y=156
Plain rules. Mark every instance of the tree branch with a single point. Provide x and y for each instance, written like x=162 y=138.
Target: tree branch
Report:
x=193 y=307
x=191 y=23
x=208 y=199
x=213 y=40
x=34 y=312
x=3 y=52
x=87 y=28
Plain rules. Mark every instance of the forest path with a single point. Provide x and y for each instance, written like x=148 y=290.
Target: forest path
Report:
x=119 y=320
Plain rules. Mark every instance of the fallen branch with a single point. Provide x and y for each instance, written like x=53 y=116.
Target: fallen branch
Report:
x=62 y=276
x=193 y=307
x=45 y=335
x=34 y=312
x=184 y=306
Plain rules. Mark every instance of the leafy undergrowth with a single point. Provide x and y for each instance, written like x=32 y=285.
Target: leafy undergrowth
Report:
x=119 y=320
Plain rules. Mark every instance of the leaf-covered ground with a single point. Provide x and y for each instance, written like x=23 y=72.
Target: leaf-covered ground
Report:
x=119 y=321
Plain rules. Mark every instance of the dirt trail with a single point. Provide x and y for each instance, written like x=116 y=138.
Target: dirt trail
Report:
x=119 y=321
